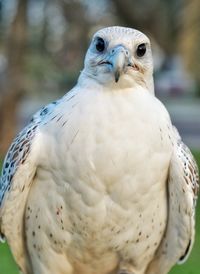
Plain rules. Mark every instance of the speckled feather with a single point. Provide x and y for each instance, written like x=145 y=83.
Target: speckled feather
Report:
x=16 y=156
x=100 y=182
x=183 y=188
x=11 y=188
x=20 y=149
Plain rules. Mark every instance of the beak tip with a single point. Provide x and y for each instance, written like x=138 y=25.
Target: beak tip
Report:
x=117 y=75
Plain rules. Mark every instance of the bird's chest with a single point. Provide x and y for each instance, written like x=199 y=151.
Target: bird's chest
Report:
x=116 y=148
x=106 y=179
x=116 y=186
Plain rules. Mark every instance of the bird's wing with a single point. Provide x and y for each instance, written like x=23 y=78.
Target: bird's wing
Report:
x=17 y=174
x=18 y=171
x=183 y=185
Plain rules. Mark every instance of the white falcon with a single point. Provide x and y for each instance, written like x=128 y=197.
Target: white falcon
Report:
x=100 y=182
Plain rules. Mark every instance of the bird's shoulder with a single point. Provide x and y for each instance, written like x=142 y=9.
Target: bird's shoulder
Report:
x=20 y=148
x=18 y=170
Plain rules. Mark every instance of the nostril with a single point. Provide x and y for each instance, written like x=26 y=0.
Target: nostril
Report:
x=113 y=50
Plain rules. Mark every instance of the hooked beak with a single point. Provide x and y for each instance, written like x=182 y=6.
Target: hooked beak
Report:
x=119 y=63
x=120 y=59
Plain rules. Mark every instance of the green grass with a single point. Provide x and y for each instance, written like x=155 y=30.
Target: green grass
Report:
x=7 y=264
x=192 y=266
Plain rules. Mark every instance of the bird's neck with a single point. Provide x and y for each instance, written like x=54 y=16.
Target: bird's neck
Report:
x=150 y=83
x=87 y=81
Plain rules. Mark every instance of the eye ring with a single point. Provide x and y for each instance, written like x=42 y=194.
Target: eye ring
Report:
x=141 y=50
x=100 y=44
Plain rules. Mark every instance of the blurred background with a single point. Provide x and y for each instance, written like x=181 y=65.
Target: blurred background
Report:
x=42 y=48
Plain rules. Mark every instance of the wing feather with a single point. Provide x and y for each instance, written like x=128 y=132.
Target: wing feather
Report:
x=18 y=171
x=183 y=186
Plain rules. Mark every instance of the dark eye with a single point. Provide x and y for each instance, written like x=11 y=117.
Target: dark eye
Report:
x=141 y=49
x=100 y=44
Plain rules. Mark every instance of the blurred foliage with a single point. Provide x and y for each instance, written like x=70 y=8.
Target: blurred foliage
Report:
x=189 y=39
x=43 y=42
x=56 y=34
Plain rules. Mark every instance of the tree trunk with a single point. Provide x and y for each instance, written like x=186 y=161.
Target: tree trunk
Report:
x=189 y=42
x=151 y=17
x=12 y=90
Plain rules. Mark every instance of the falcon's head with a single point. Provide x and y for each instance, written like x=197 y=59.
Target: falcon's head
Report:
x=120 y=56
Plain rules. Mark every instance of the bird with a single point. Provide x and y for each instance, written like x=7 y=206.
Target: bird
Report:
x=100 y=181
